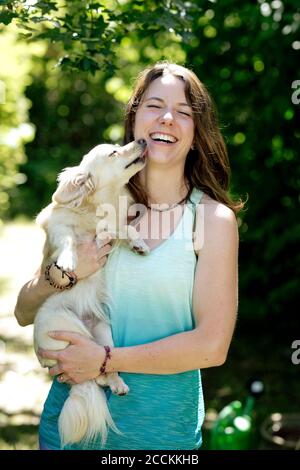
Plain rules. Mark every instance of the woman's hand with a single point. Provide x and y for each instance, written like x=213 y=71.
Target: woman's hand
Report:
x=91 y=258
x=78 y=362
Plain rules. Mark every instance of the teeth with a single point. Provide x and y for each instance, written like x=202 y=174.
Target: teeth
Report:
x=164 y=137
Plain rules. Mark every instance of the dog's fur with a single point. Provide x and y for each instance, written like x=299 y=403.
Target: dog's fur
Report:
x=75 y=215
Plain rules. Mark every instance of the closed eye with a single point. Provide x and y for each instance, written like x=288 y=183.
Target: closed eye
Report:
x=159 y=107
x=113 y=154
x=186 y=114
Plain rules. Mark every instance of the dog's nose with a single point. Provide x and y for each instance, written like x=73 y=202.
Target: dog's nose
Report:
x=142 y=142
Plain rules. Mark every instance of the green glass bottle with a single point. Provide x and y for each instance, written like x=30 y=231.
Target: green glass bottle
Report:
x=233 y=429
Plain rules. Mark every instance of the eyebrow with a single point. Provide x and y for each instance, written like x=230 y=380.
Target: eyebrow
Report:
x=159 y=99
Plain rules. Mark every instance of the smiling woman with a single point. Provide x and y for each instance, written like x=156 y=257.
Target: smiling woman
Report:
x=172 y=312
x=162 y=119
x=170 y=100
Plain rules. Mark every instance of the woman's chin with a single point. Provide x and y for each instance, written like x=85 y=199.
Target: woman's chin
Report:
x=159 y=157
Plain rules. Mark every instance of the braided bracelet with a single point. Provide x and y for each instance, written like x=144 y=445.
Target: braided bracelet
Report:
x=71 y=276
x=107 y=356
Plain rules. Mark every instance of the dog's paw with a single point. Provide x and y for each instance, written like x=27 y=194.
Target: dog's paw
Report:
x=117 y=385
x=140 y=247
x=67 y=261
x=120 y=390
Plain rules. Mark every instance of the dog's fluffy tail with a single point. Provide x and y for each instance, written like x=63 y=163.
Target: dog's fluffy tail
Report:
x=85 y=415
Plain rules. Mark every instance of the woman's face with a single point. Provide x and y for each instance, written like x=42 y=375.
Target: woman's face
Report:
x=164 y=119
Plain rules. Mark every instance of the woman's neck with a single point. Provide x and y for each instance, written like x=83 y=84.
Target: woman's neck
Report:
x=164 y=187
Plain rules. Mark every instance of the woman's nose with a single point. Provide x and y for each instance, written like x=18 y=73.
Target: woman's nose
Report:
x=167 y=117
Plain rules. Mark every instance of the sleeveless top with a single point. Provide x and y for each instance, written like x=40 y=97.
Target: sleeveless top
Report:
x=152 y=299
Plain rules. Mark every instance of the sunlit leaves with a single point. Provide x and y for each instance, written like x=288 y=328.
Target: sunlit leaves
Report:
x=89 y=31
x=7 y=16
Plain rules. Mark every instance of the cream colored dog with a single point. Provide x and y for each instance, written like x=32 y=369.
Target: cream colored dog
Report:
x=76 y=214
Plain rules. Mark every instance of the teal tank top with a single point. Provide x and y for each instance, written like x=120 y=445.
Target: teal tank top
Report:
x=152 y=299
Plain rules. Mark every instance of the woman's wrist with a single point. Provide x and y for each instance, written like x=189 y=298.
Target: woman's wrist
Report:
x=107 y=357
x=56 y=276
x=42 y=287
x=107 y=360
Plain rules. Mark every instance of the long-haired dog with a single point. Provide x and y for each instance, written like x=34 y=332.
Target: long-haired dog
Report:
x=76 y=214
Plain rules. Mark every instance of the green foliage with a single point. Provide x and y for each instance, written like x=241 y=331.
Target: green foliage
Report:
x=70 y=114
x=68 y=105
x=15 y=130
x=90 y=31
x=249 y=57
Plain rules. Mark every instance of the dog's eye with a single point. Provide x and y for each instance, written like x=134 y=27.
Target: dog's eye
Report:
x=113 y=154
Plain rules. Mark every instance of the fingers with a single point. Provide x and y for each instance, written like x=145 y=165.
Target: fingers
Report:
x=56 y=370
x=91 y=257
x=91 y=246
x=99 y=251
x=103 y=241
x=69 y=336
x=102 y=261
x=63 y=378
x=102 y=253
x=49 y=354
x=104 y=250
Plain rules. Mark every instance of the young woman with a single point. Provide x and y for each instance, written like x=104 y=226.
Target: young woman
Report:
x=174 y=310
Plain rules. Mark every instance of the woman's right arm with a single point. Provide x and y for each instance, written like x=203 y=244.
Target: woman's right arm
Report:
x=31 y=297
x=34 y=293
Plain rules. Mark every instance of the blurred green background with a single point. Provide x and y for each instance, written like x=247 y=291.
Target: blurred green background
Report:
x=66 y=73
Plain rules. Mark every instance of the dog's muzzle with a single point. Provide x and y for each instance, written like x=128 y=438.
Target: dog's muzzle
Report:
x=140 y=158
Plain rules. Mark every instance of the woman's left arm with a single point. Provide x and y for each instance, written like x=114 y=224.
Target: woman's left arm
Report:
x=215 y=302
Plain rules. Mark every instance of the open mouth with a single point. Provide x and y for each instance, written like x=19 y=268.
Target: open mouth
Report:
x=163 y=138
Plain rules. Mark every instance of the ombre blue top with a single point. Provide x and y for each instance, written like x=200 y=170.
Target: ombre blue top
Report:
x=152 y=299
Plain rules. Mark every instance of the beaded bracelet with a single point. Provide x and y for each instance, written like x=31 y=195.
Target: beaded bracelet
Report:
x=107 y=356
x=71 y=276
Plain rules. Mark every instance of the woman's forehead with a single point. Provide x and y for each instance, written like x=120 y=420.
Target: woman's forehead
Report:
x=166 y=85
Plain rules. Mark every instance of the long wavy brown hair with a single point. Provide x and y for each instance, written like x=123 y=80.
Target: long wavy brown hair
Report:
x=207 y=165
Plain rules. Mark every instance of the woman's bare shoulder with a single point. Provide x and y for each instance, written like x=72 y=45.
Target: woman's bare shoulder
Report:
x=213 y=217
x=215 y=210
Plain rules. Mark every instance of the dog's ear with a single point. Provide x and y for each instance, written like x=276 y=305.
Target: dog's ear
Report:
x=74 y=186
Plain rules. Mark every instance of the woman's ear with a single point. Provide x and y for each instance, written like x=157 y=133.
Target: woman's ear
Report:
x=74 y=186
